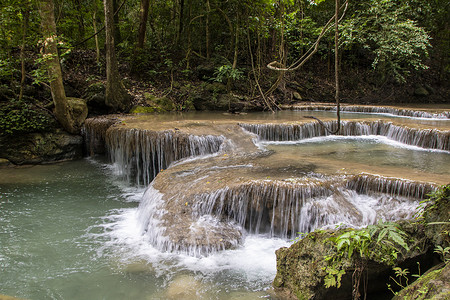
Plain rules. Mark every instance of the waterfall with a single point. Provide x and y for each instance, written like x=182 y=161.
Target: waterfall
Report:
x=283 y=208
x=425 y=138
x=262 y=206
x=370 y=184
x=378 y=110
x=201 y=207
x=140 y=155
x=94 y=133
x=181 y=232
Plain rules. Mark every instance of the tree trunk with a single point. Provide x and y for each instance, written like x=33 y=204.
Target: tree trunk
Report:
x=25 y=14
x=62 y=107
x=117 y=35
x=336 y=63
x=180 y=29
x=97 y=47
x=81 y=30
x=143 y=16
x=235 y=56
x=116 y=96
x=208 y=10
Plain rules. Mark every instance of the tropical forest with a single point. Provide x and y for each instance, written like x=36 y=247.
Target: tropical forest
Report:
x=224 y=149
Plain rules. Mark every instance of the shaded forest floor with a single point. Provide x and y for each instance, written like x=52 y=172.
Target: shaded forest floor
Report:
x=314 y=83
x=160 y=86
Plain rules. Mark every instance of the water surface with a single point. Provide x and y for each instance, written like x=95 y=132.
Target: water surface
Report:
x=68 y=231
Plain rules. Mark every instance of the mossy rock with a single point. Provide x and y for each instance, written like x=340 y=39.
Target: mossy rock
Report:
x=20 y=117
x=95 y=97
x=300 y=268
x=142 y=110
x=205 y=71
x=79 y=110
x=216 y=87
x=434 y=284
x=159 y=104
x=420 y=91
x=4 y=162
x=165 y=103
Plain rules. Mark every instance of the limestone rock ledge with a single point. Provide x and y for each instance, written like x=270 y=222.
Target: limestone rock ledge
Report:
x=38 y=148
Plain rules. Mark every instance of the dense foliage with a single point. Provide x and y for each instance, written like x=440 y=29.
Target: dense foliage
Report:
x=20 y=117
x=162 y=41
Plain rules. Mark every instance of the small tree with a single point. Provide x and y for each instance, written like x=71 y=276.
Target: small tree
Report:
x=63 y=111
x=116 y=95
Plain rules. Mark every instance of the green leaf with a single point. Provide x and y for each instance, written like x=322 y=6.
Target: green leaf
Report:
x=397 y=238
x=382 y=234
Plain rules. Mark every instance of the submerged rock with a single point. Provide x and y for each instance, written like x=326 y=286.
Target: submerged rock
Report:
x=4 y=297
x=184 y=287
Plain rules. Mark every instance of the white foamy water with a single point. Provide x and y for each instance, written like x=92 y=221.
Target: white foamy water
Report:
x=251 y=265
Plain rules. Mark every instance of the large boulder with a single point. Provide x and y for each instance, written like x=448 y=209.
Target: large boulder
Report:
x=37 y=148
x=95 y=98
x=79 y=110
x=301 y=267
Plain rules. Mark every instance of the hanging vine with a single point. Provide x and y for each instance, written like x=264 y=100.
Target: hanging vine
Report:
x=280 y=67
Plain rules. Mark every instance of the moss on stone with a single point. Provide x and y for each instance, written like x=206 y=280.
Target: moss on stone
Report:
x=159 y=104
x=434 y=284
x=300 y=268
x=142 y=110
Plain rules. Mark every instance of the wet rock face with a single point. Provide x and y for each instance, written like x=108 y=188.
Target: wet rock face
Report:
x=297 y=276
x=37 y=148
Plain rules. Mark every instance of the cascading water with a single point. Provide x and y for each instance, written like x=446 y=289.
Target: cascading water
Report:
x=369 y=184
x=207 y=227
x=216 y=220
x=198 y=236
x=283 y=209
x=141 y=154
x=428 y=138
x=197 y=220
x=377 y=110
x=94 y=133
x=183 y=212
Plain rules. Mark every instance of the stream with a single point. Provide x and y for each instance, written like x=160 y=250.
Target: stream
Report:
x=94 y=229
